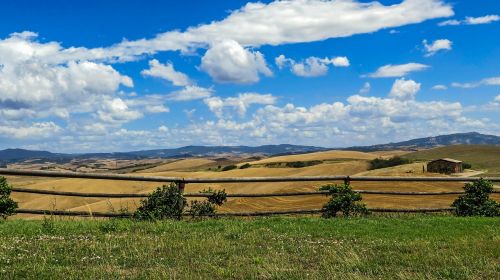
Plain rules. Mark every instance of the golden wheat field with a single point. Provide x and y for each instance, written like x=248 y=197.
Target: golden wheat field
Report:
x=333 y=163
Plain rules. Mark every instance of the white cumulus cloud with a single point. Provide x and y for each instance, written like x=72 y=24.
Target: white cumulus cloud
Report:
x=404 y=89
x=240 y=103
x=35 y=130
x=437 y=45
x=229 y=62
x=311 y=66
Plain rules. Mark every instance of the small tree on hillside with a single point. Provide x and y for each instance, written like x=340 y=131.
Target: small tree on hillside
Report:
x=7 y=205
x=344 y=199
x=476 y=200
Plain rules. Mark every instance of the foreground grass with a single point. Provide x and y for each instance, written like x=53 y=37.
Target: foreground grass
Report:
x=410 y=247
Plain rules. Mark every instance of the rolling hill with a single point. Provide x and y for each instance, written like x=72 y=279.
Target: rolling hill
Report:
x=471 y=138
x=482 y=157
x=18 y=154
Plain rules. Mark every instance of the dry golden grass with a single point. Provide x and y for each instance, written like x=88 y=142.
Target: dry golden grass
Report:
x=182 y=164
x=328 y=155
x=386 y=154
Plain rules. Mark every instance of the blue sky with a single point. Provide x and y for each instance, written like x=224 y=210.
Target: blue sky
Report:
x=85 y=76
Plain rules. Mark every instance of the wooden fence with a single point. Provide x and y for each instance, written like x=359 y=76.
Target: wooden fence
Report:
x=183 y=181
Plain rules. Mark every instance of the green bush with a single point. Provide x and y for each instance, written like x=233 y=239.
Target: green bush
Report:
x=300 y=164
x=466 y=165
x=218 y=197
x=201 y=209
x=476 y=200
x=208 y=207
x=166 y=202
x=382 y=163
x=229 y=167
x=343 y=200
x=245 y=166
x=7 y=205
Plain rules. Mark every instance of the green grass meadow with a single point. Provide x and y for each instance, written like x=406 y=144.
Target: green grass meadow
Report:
x=398 y=247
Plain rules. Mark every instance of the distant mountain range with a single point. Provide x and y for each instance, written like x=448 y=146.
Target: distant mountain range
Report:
x=13 y=155
x=470 y=138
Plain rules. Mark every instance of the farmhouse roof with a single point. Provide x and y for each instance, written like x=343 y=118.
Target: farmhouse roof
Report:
x=448 y=159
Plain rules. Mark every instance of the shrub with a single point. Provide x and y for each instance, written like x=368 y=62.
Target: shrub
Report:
x=166 y=202
x=295 y=164
x=476 y=200
x=208 y=207
x=466 y=165
x=201 y=208
x=382 y=163
x=273 y=165
x=218 y=197
x=300 y=164
x=7 y=205
x=245 y=166
x=229 y=167
x=344 y=200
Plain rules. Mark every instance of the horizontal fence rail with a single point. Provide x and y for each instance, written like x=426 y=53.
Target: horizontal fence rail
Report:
x=142 y=195
x=183 y=181
x=234 y=214
x=42 y=173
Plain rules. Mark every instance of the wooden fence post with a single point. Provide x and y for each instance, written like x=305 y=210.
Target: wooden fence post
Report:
x=182 y=186
x=347 y=180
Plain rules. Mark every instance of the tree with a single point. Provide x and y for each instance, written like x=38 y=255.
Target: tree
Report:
x=476 y=200
x=166 y=202
x=7 y=205
x=344 y=199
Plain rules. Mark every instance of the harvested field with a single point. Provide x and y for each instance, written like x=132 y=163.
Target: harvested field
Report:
x=338 y=164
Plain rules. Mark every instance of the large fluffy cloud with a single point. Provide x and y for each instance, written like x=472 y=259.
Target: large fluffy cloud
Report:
x=283 y=22
x=227 y=61
x=404 y=89
x=30 y=82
